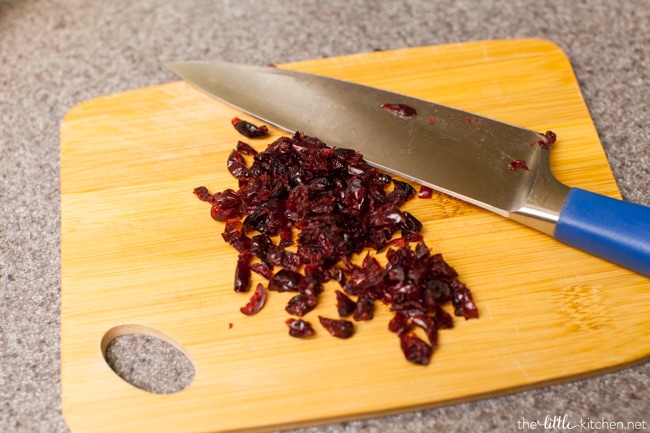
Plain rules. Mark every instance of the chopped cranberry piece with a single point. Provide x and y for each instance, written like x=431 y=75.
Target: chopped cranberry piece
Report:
x=256 y=302
x=233 y=235
x=249 y=130
x=237 y=166
x=410 y=223
x=291 y=260
x=415 y=349
x=202 y=193
x=225 y=205
x=331 y=205
x=463 y=302
x=443 y=319
x=425 y=192
x=263 y=269
x=299 y=328
x=365 y=309
x=517 y=164
x=402 y=193
x=430 y=329
x=400 y=323
x=545 y=140
x=243 y=273
x=338 y=328
x=286 y=281
x=301 y=304
x=344 y=304
x=550 y=137
x=245 y=149
x=400 y=110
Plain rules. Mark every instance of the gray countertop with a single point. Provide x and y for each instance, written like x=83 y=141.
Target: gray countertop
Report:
x=55 y=54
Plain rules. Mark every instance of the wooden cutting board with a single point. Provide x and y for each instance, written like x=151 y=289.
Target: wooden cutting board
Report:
x=140 y=254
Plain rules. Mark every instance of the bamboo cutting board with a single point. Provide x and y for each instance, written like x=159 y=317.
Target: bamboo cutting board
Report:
x=140 y=254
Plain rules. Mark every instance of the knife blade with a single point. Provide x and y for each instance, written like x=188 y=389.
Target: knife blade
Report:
x=501 y=167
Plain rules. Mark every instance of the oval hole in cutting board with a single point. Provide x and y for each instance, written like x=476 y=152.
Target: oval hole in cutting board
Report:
x=147 y=359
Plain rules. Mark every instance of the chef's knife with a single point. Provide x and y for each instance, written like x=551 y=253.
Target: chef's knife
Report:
x=497 y=166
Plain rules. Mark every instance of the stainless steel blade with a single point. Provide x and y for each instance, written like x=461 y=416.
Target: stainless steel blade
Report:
x=453 y=151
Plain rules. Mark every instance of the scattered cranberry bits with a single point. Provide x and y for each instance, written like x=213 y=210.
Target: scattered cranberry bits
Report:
x=331 y=205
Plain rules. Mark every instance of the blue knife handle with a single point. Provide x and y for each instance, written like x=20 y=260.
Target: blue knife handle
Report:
x=612 y=229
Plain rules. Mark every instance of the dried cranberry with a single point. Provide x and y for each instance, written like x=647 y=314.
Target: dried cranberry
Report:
x=338 y=328
x=410 y=223
x=366 y=279
x=546 y=140
x=409 y=308
x=286 y=281
x=463 y=302
x=260 y=247
x=243 y=273
x=268 y=218
x=275 y=255
x=428 y=324
x=233 y=235
x=290 y=260
x=410 y=236
x=237 y=166
x=425 y=192
x=245 y=149
x=401 y=242
x=386 y=215
x=400 y=323
x=517 y=164
x=301 y=304
x=344 y=304
x=415 y=349
x=332 y=205
x=202 y=193
x=401 y=193
x=225 y=205
x=400 y=110
x=262 y=269
x=299 y=328
x=249 y=130
x=550 y=137
x=443 y=319
x=256 y=302
x=365 y=309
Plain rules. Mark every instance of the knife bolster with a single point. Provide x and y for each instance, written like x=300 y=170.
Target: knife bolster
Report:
x=542 y=209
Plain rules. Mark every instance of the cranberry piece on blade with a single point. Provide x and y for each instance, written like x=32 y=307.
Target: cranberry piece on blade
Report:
x=400 y=110
x=517 y=164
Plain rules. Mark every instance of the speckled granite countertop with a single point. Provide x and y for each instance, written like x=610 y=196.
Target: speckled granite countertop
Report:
x=55 y=54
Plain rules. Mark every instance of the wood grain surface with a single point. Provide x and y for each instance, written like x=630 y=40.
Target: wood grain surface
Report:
x=140 y=254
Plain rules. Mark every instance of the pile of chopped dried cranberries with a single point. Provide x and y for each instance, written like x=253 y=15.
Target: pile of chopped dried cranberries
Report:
x=329 y=205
